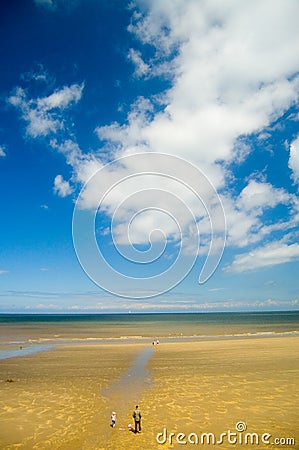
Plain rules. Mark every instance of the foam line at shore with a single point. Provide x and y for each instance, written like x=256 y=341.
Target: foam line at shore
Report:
x=32 y=346
x=132 y=338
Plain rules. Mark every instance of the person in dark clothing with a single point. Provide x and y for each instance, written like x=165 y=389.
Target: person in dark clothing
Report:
x=137 y=419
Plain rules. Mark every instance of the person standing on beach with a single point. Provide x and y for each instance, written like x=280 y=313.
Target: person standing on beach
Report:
x=113 y=419
x=137 y=419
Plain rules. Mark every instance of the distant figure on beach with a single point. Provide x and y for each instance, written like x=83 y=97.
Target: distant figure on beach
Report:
x=113 y=419
x=137 y=419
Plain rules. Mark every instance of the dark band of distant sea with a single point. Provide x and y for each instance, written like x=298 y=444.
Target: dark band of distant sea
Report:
x=23 y=334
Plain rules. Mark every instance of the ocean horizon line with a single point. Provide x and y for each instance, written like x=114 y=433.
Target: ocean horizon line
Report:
x=130 y=313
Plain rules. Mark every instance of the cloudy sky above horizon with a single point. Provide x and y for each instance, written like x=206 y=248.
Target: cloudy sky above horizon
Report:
x=210 y=83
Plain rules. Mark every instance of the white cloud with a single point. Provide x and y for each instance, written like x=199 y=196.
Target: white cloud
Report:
x=245 y=214
x=141 y=68
x=62 y=187
x=2 y=151
x=49 y=306
x=232 y=75
x=217 y=289
x=38 y=74
x=274 y=253
x=61 y=98
x=84 y=165
x=294 y=159
x=45 y=115
x=234 y=68
x=226 y=83
x=40 y=123
x=258 y=195
x=3 y=271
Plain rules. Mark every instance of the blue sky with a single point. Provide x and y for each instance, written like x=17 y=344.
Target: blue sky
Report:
x=88 y=86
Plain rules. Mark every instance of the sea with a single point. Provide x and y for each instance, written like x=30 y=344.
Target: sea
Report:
x=23 y=334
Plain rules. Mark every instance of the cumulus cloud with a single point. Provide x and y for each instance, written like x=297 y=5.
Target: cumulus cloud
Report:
x=84 y=165
x=234 y=70
x=232 y=76
x=251 y=215
x=62 y=98
x=2 y=151
x=141 y=68
x=259 y=195
x=44 y=115
x=294 y=159
x=62 y=187
x=226 y=82
x=274 y=253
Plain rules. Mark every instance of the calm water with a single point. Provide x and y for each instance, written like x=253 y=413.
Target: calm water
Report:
x=23 y=334
x=22 y=328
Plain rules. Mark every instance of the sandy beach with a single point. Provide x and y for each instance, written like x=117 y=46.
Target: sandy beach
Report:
x=62 y=399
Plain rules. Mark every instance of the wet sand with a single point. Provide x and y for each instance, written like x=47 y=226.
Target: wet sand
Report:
x=62 y=399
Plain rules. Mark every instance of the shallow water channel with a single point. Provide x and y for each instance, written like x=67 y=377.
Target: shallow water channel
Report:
x=125 y=393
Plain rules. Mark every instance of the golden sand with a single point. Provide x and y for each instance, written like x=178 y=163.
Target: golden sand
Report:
x=60 y=400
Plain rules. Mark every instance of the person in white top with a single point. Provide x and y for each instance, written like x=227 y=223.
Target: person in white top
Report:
x=113 y=419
